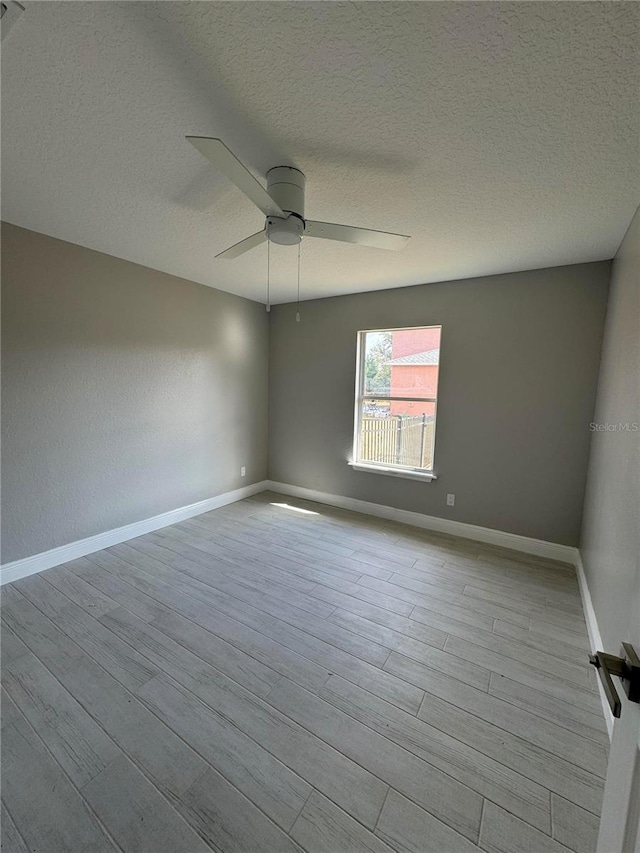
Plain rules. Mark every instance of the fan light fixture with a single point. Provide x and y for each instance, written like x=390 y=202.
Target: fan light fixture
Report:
x=286 y=232
x=282 y=203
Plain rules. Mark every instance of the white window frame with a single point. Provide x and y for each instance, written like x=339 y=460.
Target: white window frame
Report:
x=405 y=471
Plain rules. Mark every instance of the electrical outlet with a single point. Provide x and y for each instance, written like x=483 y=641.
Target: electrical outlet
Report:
x=451 y=500
x=243 y=471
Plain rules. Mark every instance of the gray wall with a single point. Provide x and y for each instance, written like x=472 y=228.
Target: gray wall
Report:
x=126 y=392
x=610 y=541
x=519 y=365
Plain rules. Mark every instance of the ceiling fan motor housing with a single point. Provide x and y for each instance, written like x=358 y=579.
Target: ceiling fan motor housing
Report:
x=285 y=185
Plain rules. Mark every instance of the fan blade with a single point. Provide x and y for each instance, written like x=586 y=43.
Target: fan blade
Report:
x=219 y=155
x=243 y=246
x=350 y=234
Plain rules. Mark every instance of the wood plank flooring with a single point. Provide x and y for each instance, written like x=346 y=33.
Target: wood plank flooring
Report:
x=280 y=676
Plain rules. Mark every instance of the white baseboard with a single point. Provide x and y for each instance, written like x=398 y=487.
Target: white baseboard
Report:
x=595 y=640
x=538 y=547
x=65 y=553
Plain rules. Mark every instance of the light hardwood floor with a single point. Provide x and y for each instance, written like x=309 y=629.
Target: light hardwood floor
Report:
x=280 y=676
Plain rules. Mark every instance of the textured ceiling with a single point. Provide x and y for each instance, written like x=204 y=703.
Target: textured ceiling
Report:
x=501 y=136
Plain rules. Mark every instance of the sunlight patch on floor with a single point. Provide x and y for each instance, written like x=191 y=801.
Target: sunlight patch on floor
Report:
x=294 y=508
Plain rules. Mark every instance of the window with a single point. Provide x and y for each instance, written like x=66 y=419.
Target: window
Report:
x=396 y=400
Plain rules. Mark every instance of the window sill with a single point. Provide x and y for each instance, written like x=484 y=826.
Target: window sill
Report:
x=425 y=476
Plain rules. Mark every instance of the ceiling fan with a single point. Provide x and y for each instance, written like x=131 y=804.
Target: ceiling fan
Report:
x=282 y=202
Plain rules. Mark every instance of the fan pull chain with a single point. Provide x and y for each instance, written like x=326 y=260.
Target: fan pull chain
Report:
x=298 y=305
x=268 y=273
